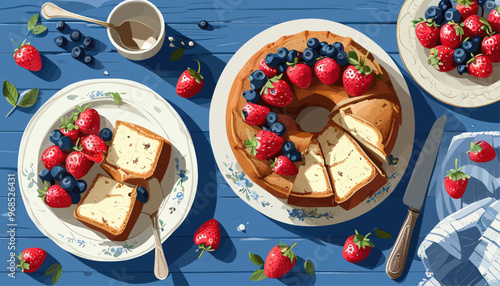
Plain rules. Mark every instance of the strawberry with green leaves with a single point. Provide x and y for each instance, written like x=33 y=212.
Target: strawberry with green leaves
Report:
x=254 y=114
x=357 y=78
x=277 y=92
x=284 y=166
x=427 y=32
x=87 y=120
x=264 y=144
x=441 y=58
x=481 y=152
x=190 y=82
x=55 y=196
x=280 y=260
x=467 y=8
x=31 y=259
x=299 y=74
x=357 y=247
x=26 y=55
x=207 y=237
x=93 y=147
x=68 y=128
x=456 y=181
x=451 y=35
x=494 y=19
x=480 y=66
x=476 y=26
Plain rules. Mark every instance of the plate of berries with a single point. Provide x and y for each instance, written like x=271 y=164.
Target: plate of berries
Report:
x=452 y=49
x=60 y=159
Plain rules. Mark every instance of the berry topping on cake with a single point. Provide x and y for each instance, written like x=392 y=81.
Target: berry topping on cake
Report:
x=277 y=92
x=264 y=145
x=267 y=70
x=357 y=78
x=327 y=70
x=299 y=74
x=284 y=166
x=254 y=114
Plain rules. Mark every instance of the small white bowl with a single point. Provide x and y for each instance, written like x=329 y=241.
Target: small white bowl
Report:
x=141 y=11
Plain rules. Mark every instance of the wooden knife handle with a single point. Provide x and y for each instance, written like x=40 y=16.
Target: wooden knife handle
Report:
x=397 y=258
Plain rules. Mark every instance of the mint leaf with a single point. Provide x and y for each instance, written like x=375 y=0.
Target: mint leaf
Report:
x=32 y=22
x=309 y=267
x=256 y=259
x=353 y=55
x=258 y=275
x=29 y=98
x=57 y=274
x=52 y=269
x=382 y=234
x=177 y=55
x=10 y=92
x=39 y=29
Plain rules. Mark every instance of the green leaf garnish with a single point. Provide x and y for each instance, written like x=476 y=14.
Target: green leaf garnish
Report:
x=177 y=54
x=457 y=174
x=309 y=267
x=32 y=22
x=39 y=29
x=10 y=92
x=12 y=95
x=258 y=275
x=29 y=98
x=382 y=234
x=256 y=259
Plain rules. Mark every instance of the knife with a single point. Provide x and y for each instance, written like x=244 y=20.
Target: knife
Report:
x=414 y=198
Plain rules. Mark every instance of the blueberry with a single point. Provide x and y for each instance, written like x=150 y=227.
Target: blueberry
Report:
x=310 y=56
x=251 y=96
x=278 y=128
x=88 y=59
x=244 y=113
x=338 y=46
x=342 y=58
x=444 y=5
x=282 y=67
x=60 y=41
x=290 y=58
x=45 y=175
x=265 y=128
x=329 y=51
x=257 y=79
x=435 y=13
x=203 y=24
x=461 y=69
x=481 y=2
x=58 y=173
x=88 y=43
x=294 y=156
x=272 y=60
x=460 y=56
x=321 y=45
x=142 y=195
x=65 y=143
x=80 y=186
x=452 y=14
x=55 y=135
x=288 y=147
x=60 y=25
x=68 y=183
x=282 y=53
x=75 y=35
x=75 y=197
x=476 y=39
x=470 y=47
x=77 y=53
x=106 y=134
x=313 y=43
x=271 y=118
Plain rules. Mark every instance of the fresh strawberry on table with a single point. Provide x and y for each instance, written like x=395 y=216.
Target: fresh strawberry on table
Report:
x=280 y=260
x=327 y=70
x=491 y=47
x=28 y=57
x=68 y=128
x=31 y=259
x=284 y=166
x=300 y=74
x=268 y=71
x=87 y=120
x=190 y=82
x=53 y=156
x=357 y=78
x=441 y=58
x=481 y=152
x=55 y=196
x=264 y=144
x=480 y=66
x=357 y=247
x=467 y=8
x=427 y=32
x=451 y=35
x=93 y=147
x=476 y=26
x=254 y=114
x=277 y=92
x=456 y=181
x=207 y=237
x=494 y=19
x=77 y=164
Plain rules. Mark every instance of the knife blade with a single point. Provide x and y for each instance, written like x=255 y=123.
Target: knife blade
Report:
x=414 y=198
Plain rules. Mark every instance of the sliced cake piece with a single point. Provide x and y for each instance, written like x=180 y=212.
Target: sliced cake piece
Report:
x=373 y=121
x=311 y=187
x=353 y=174
x=110 y=207
x=136 y=155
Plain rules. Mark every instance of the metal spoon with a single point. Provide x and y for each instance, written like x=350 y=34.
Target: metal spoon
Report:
x=134 y=35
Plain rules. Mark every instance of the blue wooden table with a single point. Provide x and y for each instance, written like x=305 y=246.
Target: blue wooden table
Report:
x=234 y=23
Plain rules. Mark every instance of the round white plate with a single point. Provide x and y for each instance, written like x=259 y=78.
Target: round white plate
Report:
x=260 y=199
x=448 y=87
x=140 y=105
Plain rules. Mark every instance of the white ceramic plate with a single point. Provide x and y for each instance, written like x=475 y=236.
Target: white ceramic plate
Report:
x=260 y=199
x=140 y=105
x=448 y=87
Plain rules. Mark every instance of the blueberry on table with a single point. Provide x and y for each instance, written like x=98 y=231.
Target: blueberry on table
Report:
x=60 y=41
x=294 y=156
x=257 y=79
x=460 y=56
x=272 y=60
x=310 y=56
x=251 y=96
x=435 y=13
x=278 y=128
x=203 y=24
x=68 y=183
x=60 y=25
x=80 y=186
x=75 y=35
x=341 y=58
x=55 y=135
x=88 y=43
x=470 y=47
x=444 y=5
x=271 y=118
x=461 y=69
x=282 y=53
x=142 y=195
x=288 y=147
x=106 y=134
x=77 y=53
x=329 y=51
x=313 y=43
x=292 y=54
x=452 y=14
x=45 y=175
x=338 y=46
x=75 y=197
x=58 y=173
x=88 y=59
x=65 y=143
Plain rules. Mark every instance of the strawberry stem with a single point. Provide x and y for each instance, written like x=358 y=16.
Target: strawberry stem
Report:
x=292 y=246
x=10 y=111
x=199 y=66
x=202 y=250
x=16 y=43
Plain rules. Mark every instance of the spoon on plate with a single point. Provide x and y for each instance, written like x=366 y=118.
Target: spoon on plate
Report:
x=134 y=35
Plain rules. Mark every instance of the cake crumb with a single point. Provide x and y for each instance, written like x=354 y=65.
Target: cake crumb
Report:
x=106 y=73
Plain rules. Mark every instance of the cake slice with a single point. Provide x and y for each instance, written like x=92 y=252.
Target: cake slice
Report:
x=353 y=174
x=110 y=207
x=370 y=120
x=311 y=187
x=135 y=154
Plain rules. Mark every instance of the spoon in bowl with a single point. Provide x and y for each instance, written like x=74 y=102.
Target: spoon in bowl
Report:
x=134 y=35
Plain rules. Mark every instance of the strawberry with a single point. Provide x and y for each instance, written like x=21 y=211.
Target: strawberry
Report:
x=299 y=74
x=264 y=145
x=327 y=70
x=277 y=92
x=93 y=147
x=280 y=261
x=78 y=165
x=357 y=78
x=268 y=71
x=55 y=197
x=467 y=8
x=190 y=82
x=480 y=66
x=284 y=166
x=53 y=156
x=491 y=47
x=494 y=19
x=451 y=35
x=357 y=247
x=68 y=128
x=28 y=57
x=481 y=152
x=87 y=120
x=254 y=114
x=455 y=182
x=207 y=237
x=441 y=58
x=475 y=25
x=31 y=259
x=427 y=32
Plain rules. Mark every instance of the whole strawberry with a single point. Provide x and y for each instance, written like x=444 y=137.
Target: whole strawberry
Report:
x=427 y=32
x=456 y=181
x=481 y=152
x=277 y=92
x=491 y=47
x=451 y=35
x=467 y=8
x=441 y=58
x=68 y=128
x=284 y=166
x=190 y=82
x=280 y=261
x=53 y=156
x=87 y=120
x=207 y=237
x=268 y=71
x=93 y=147
x=55 y=197
x=299 y=74
x=31 y=259
x=77 y=164
x=480 y=66
x=254 y=114
x=476 y=26
x=357 y=78
x=357 y=247
x=494 y=19
x=28 y=57
x=264 y=144
x=327 y=70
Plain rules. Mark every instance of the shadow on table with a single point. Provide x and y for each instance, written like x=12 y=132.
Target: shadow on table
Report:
x=39 y=274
